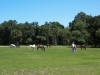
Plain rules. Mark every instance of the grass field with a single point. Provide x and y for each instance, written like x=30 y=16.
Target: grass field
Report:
x=57 y=60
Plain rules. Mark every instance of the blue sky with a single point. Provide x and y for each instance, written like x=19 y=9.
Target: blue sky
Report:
x=41 y=11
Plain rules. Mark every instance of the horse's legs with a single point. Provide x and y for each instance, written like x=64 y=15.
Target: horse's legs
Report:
x=37 y=48
x=81 y=48
x=44 y=48
x=85 y=48
x=32 y=48
x=49 y=46
x=41 y=48
x=29 y=48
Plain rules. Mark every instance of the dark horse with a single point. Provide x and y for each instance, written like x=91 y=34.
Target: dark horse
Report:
x=40 y=46
x=83 y=46
x=48 y=45
x=17 y=45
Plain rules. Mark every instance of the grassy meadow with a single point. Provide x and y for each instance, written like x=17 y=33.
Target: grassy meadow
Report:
x=57 y=60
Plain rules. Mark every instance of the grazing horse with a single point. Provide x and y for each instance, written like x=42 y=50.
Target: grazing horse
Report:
x=48 y=45
x=83 y=46
x=17 y=45
x=12 y=45
x=40 y=46
x=32 y=47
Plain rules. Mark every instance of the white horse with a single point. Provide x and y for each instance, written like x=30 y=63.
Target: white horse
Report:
x=12 y=45
x=32 y=47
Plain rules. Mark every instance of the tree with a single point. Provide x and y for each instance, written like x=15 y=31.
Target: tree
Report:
x=79 y=33
x=38 y=39
x=56 y=26
x=28 y=31
x=1 y=34
x=43 y=39
x=98 y=36
x=65 y=36
x=81 y=16
x=29 y=40
x=76 y=37
x=80 y=23
x=94 y=25
x=16 y=35
x=47 y=30
x=7 y=27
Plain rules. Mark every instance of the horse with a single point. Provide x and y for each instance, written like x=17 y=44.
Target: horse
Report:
x=48 y=45
x=83 y=46
x=17 y=45
x=12 y=45
x=40 y=46
x=32 y=47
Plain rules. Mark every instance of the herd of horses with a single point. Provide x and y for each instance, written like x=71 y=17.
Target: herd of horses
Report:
x=42 y=46
x=32 y=47
x=39 y=46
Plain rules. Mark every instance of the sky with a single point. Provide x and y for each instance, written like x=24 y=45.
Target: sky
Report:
x=41 y=11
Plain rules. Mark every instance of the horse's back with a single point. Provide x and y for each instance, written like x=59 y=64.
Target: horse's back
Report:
x=12 y=45
x=40 y=45
x=83 y=46
x=32 y=45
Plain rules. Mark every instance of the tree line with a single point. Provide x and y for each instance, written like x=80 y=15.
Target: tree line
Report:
x=84 y=29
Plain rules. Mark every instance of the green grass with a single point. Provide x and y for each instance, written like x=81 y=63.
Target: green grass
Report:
x=57 y=60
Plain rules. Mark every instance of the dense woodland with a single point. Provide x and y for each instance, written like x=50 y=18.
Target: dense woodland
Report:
x=84 y=29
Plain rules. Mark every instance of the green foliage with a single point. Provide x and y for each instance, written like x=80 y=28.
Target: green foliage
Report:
x=98 y=33
x=83 y=29
x=29 y=40
x=80 y=25
x=79 y=34
x=16 y=34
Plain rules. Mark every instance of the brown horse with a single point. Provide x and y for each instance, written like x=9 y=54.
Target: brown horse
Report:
x=48 y=45
x=83 y=46
x=40 y=46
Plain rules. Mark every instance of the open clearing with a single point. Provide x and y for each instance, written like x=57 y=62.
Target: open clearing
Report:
x=57 y=60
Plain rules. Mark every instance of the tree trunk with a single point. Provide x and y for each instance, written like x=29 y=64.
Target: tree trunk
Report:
x=47 y=39
x=99 y=43
x=55 y=40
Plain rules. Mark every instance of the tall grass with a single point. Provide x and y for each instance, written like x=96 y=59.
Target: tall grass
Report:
x=57 y=60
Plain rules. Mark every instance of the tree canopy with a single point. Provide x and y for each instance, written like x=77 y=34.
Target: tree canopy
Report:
x=82 y=29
